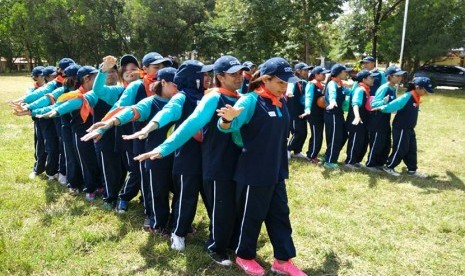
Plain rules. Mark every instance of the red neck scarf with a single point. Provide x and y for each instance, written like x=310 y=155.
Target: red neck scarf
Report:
x=148 y=80
x=318 y=84
x=338 y=81
x=366 y=88
x=416 y=97
x=226 y=92
x=36 y=85
x=60 y=79
x=265 y=93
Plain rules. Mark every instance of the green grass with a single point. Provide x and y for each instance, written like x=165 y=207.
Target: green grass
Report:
x=344 y=222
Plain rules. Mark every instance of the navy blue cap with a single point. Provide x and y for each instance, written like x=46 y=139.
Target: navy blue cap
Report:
x=86 y=70
x=37 y=71
x=337 y=69
x=248 y=64
x=424 y=83
x=301 y=66
x=368 y=59
x=394 y=70
x=206 y=68
x=65 y=62
x=72 y=70
x=320 y=70
x=280 y=68
x=126 y=59
x=155 y=58
x=364 y=74
x=166 y=74
x=49 y=70
x=228 y=64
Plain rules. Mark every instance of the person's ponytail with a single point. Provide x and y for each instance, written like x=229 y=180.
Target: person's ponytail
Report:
x=255 y=81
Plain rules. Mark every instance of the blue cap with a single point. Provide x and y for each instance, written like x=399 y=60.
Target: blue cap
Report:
x=206 y=68
x=49 y=70
x=301 y=66
x=166 y=74
x=37 y=71
x=126 y=59
x=248 y=64
x=364 y=74
x=394 y=70
x=368 y=59
x=72 y=70
x=424 y=83
x=228 y=64
x=337 y=69
x=65 y=62
x=86 y=70
x=320 y=70
x=155 y=58
x=280 y=68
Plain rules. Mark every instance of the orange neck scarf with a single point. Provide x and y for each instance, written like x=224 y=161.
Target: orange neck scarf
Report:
x=265 y=93
x=224 y=91
x=36 y=85
x=318 y=84
x=79 y=94
x=148 y=80
x=366 y=88
x=246 y=75
x=416 y=97
x=338 y=81
x=60 y=79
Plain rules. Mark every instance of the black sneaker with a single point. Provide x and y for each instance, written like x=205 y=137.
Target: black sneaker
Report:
x=219 y=258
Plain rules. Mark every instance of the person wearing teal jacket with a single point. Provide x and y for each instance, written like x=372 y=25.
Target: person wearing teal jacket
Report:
x=314 y=112
x=263 y=120
x=379 y=124
x=406 y=107
x=220 y=152
x=369 y=63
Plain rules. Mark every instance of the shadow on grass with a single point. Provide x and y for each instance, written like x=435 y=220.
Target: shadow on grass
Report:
x=330 y=266
x=53 y=191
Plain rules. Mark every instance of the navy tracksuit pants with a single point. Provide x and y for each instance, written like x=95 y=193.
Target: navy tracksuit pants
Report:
x=221 y=202
x=258 y=204
x=132 y=185
x=298 y=130
x=87 y=161
x=380 y=145
x=357 y=144
x=112 y=171
x=336 y=136
x=157 y=185
x=404 y=149
x=73 y=172
x=316 y=140
x=40 y=156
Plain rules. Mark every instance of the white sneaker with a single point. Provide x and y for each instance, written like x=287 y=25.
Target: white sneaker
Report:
x=299 y=155
x=32 y=175
x=288 y=154
x=52 y=177
x=418 y=174
x=177 y=243
x=391 y=171
x=62 y=179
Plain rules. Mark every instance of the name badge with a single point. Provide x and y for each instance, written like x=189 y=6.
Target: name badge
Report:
x=272 y=113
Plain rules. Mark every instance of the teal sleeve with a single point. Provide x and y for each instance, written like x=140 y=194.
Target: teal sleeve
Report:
x=332 y=91
x=69 y=106
x=171 y=112
x=396 y=104
x=357 y=97
x=202 y=114
x=248 y=102
x=379 y=96
x=143 y=108
x=290 y=88
x=43 y=110
x=128 y=97
x=109 y=94
x=92 y=98
x=309 y=94
x=36 y=94
x=383 y=77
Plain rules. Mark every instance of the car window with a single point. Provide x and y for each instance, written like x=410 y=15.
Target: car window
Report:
x=451 y=70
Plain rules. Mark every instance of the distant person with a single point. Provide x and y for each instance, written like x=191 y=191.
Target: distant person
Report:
x=369 y=63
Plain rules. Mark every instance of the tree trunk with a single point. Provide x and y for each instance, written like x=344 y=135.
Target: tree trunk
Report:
x=374 y=42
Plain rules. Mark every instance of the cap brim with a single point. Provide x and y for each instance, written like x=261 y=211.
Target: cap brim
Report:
x=236 y=68
x=399 y=73
x=429 y=90
x=374 y=74
x=206 y=68
x=162 y=60
x=128 y=59
x=290 y=78
x=95 y=71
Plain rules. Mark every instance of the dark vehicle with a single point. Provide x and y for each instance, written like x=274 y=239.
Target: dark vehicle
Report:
x=443 y=75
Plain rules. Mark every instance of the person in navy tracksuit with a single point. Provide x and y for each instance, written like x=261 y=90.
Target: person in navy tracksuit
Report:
x=334 y=115
x=379 y=125
x=247 y=75
x=296 y=106
x=220 y=152
x=357 y=119
x=314 y=111
x=403 y=126
x=191 y=79
x=263 y=120
x=369 y=63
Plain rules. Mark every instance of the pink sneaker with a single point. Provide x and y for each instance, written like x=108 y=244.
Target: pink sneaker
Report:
x=287 y=268
x=251 y=267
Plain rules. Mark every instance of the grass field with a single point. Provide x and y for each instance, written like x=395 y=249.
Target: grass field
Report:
x=344 y=222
